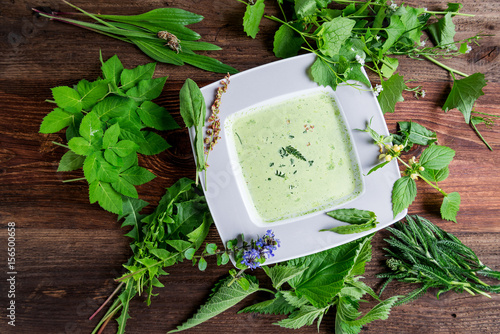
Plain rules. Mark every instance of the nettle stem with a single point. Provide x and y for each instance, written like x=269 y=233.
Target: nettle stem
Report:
x=449 y=69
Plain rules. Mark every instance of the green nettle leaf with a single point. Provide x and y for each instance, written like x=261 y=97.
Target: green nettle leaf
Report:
x=56 y=120
x=92 y=92
x=67 y=98
x=436 y=157
x=153 y=144
x=113 y=106
x=112 y=70
x=443 y=32
x=378 y=312
x=70 y=161
x=125 y=188
x=404 y=192
x=80 y=146
x=394 y=31
x=278 y=305
x=464 y=94
x=280 y=274
x=305 y=316
x=223 y=298
x=148 y=89
x=137 y=175
x=111 y=135
x=91 y=128
x=450 y=206
x=436 y=175
x=392 y=93
x=253 y=16
x=352 y=216
x=129 y=78
x=333 y=34
x=156 y=117
x=108 y=198
x=417 y=134
x=287 y=42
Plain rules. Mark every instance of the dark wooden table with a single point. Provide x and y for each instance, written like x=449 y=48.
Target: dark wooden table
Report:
x=68 y=251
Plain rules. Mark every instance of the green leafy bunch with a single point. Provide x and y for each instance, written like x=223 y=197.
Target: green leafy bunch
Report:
x=371 y=33
x=160 y=33
x=305 y=289
x=107 y=123
x=358 y=220
x=432 y=166
x=422 y=253
x=181 y=221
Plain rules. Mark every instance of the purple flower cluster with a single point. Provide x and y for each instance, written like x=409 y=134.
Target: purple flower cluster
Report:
x=260 y=250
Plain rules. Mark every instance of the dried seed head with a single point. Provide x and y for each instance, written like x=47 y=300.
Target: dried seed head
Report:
x=172 y=40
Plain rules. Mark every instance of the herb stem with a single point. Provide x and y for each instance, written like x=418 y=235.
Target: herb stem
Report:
x=62 y=145
x=449 y=69
x=434 y=186
x=483 y=113
x=235 y=278
x=74 y=180
x=107 y=300
x=266 y=290
x=444 y=13
x=480 y=136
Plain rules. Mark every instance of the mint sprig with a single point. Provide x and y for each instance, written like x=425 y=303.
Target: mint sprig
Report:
x=107 y=122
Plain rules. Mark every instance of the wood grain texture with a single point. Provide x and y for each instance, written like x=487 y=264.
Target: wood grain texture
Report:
x=69 y=252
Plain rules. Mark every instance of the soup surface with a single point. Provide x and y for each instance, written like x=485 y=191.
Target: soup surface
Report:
x=295 y=156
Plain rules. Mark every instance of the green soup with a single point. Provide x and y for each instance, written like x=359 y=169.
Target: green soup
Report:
x=295 y=156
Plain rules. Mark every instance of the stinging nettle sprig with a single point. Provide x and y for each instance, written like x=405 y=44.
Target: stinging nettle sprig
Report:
x=422 y=253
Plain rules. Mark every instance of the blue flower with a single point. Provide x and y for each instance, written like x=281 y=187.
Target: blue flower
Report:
x=260 y=250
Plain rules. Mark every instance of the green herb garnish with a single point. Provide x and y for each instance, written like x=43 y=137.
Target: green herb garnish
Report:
x=161 y=34
x=360 y=220
x=107 y=123
x=422 y=253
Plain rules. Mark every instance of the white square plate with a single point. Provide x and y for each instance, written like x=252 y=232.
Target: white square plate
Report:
x=299 y=236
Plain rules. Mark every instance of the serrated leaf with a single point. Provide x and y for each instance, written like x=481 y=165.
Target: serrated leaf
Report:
x=277 y=305
x=147 y=89
x=436 y=157
x=200 y=233
x=222 y=299
x=113 y=158
x=324 y=73
x=287 y=42
x=70 y=161
x=91 y=129
x=137 y=175
x=305 y=8
x=404 y=192
x=450 y=206
x=124 y=148
x=413 y=27
x=394 y=31
x=153 y=144
x=253 y=16
x=280 y=274
x=90 y=166
x=125 y=297
x=417 y=134
x=56 y=120
x=67 y=98
x=113 y=106
x=156 y=117
x=378 y=312
x=112 y=69
x=303 y=317
x=436 y=175
x=333 y=34
x=125 y=188
x=111 y=135
x=106 y=172
x=80 y=146
x=391 y=93
x=107 y=197
x=352 y=216
x=129 y=78
x=92 y=92
x=464 y=94
x=443 y=32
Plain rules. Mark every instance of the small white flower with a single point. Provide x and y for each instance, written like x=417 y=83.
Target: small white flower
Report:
x=422 y=93
x=422 y=44
x=360 y=60
x=425 y=9
x=377 y=89
x=469 y=49
x=352 y=49
x=377 y=37
x=393 y=6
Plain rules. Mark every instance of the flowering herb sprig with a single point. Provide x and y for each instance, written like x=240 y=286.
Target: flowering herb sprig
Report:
x=213 y=127
x=370 y=34
x=432 y=167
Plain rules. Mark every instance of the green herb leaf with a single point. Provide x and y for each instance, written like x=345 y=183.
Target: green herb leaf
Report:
x=207 y=63
x=287 y=42
x=352 y=216
x=80 y=146
x=130 y=78
x=67 y=99
x=435 y=175
x=404 y=192
x=113 y=106
x=389 y=66
x=450 y=206
x=303 y=317
x=153 y=144
x=280 y=274
x=416 y=134
x=125 y=188
x=70 y=161
x=253 y=16
x=222 y=299
x=56 y=120
x=305 y=8
x=394 y=31
x=443 y=32
x=278 y=305
x=464 y=94
x=436 y=157
x=112 y=69
x=111 y=136
x=91 y=129
x=333 y=34
x=137 y=175
x=156 y=117
x=325 y=73
x=378 y=312
x=392 y=93
x=350 y=229
x=377 y=167
x=92 y=92
x=158 y=51
x=108 y=198
x=148 y=89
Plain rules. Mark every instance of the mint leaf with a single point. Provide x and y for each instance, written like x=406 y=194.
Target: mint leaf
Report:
x=91 y=92
x=394 y=31
x=107 y=197
x=130 y=78
x=137 y=175
x=80 y=146
x=450 y=206
x=125 y=188
x=112 y=70
x=392 y=93
x=70 y=161
x=464 y=94
x=153 y=144
x=148 y=89
x=67 y=99
x=111 y=136
x=333 y=34
x=253 y=16
x=223 y=298
x=287 y=42
x=436 y=157
x=156 y=117
x=404 y=192
x=352 y=216
x=56 y=120
x=443 y=32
